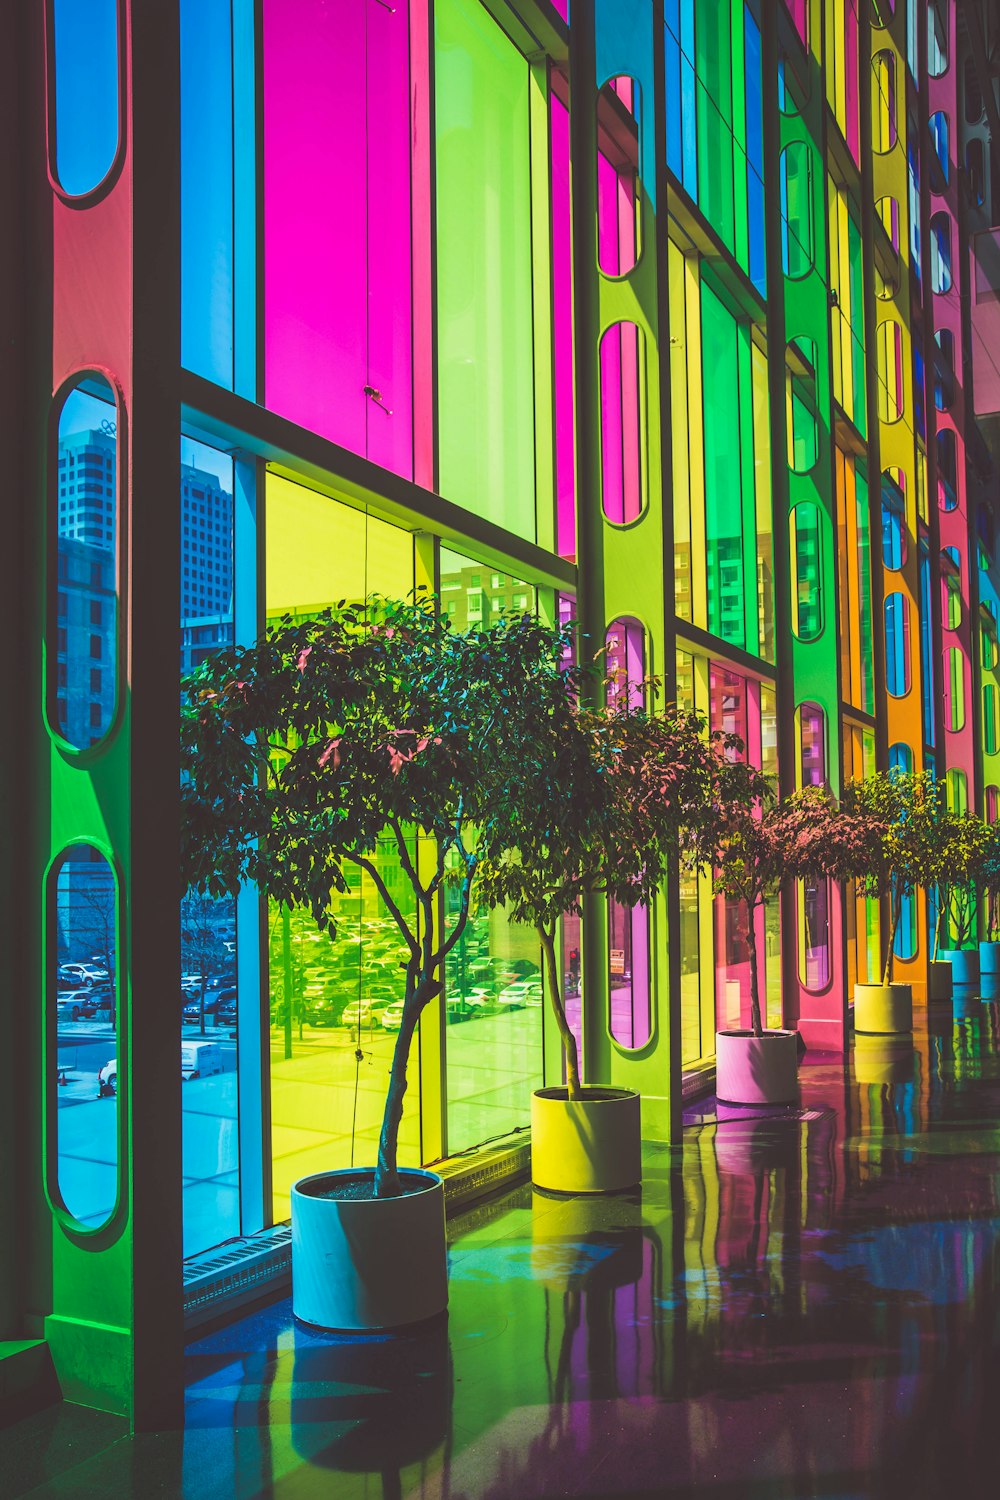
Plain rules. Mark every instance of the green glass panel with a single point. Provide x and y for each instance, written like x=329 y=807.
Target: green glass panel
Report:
x=804 y=543
x=715 y=117
x=723 y=507
x=484 y=287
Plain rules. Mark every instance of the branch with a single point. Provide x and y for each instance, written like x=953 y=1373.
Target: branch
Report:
x=459 y=928
x=391 y=907
x=404 y=857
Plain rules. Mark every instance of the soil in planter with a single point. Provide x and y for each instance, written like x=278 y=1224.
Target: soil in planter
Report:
x=589 y=1095
x=359 y=1187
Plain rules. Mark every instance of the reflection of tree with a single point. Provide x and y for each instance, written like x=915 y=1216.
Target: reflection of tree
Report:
x=203 y=951
x=87 y=914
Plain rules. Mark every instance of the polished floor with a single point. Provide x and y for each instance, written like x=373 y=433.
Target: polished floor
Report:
x=799 y=1304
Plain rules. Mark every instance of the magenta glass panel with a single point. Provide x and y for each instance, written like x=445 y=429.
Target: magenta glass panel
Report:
x=800 y=15
x=628 y=944
x=390 y=272
x=337 y=263
x=625 y=663
x=621 y=475
x=617 y=178
x=562 y=316
x=814 y=934
x=812 y=748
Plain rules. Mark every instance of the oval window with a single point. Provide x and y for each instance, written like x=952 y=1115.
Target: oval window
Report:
x=625 y=662
x=84 y=93
x=82 y=644
x=897 y=645
x=951 y=587
x=883 y=101
x=894 y=548
x=954 y=688
x=619 y=215
x=795 y=181
x=940 y=252
x=938 y=127
x=814 y=932
x=622 y=477
x=800 y=400
x=956 y=790
x=628 y=965
x=805 y=549
x=82 y=1035
x=944 y=369
x=947 y=468
x=889 y=346
x=810 y=737
x=992 y=803
x=887 y=259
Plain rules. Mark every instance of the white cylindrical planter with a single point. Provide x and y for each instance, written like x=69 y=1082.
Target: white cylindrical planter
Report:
x=938 y=979
x=883 y=1009
x=989 y=958
x=964 y=964
x=368 y=1263
x=757 y=1069
x=588 y=1145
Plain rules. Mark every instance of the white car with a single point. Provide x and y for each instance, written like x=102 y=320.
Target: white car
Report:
x=392 y=1016
x=80 y=974
x=521 y=992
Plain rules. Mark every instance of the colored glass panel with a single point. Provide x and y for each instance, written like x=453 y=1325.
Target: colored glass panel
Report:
x=327 y=999
x=337 y=220
x=894 y=532
x=897 y=645
x=806 y=571
x=83 y=980
x=86 y=116
x=619 y=188
x=621 y=361
x=562 y=331
x=83 y=646
x=484 y=286
x=722 y=419
x=797 y=234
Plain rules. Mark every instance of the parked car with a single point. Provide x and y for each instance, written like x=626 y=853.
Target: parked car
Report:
x=392 y=1016
x=363 y=1015
x=75 y=1005
x=107 y=1079
x=474 y=1002
x=521 y=993
x=82 y=974
x=222 y=1006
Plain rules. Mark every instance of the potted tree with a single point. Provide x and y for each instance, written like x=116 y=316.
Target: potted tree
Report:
x=599 y=811
x=887 y=845
x=961 y=852
x=762 y=843
x=989 y=948
x=300 y=755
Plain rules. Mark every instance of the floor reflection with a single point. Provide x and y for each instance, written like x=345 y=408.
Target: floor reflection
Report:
x=800 y=1302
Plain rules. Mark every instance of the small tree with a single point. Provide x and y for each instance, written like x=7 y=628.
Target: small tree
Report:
x=889 y=841
x=600 y=808
x=990 y=880
x=301 y=753
x=761 y=843
x=958 y=866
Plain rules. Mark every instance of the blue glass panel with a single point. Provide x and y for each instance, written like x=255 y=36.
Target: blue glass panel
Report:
x=755 y=152
x=86 y=92
x=207 y=189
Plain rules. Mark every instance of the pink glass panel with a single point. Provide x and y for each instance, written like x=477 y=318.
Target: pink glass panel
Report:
x=812 y=748
x=625 y=664
x=562 y=313
x=337 y=259
x=620 y=427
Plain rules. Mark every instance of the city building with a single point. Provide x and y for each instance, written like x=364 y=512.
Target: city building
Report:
x=678 y=318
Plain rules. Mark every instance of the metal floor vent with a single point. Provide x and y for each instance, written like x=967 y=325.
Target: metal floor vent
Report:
x=237 y=1272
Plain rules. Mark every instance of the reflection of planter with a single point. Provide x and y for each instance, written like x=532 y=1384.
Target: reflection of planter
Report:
x=588 y=1145
x=989 y=986
x=938 y=979
x=586 y=1242
x=883 y=1059
x=346 y=1267
x=371 y=1405
x=757 y=1069
x=966 y=1004
x=883 y=1009
x=747 y=1144
x=964 y=964
x=989 y=959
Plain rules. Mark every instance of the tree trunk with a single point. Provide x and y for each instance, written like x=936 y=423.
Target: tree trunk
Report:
x=894 y=906
x=755 y=1017
x=387 y=1184
x=570 y=1050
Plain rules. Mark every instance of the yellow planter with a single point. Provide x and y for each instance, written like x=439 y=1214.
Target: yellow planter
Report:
x=588 y=1145
x=883 y=1009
